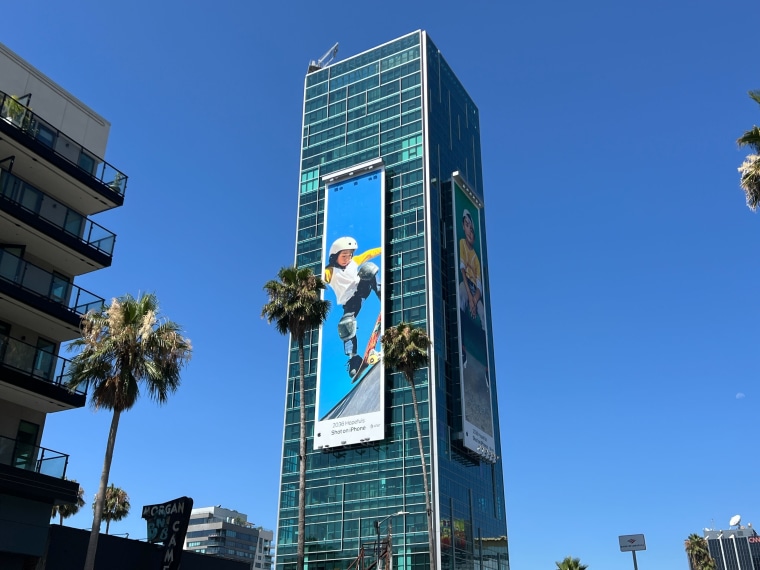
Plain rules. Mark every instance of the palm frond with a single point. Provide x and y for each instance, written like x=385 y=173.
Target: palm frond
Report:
x=295 y=301
x=405 y=348
x=750 y=180
x=750 y=138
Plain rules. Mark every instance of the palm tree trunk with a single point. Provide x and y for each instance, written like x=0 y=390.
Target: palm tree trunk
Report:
x=301 y=460
x=108 y=525
x=92 y=547
x=428 y=508
x=60 y=516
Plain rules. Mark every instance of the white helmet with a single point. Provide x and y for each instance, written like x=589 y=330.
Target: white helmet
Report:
x=343 y=243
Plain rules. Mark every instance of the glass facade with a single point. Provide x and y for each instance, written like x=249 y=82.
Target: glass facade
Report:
x=402 y=104
x=732 y=552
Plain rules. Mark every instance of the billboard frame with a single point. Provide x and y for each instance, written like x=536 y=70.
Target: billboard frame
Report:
x=475 y=387
x=338 y=395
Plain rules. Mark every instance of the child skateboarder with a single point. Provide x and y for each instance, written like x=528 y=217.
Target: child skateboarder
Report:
x=352 y=278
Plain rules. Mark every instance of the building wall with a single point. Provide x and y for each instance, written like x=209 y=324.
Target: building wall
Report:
x=49 y=100
x=11 y=414
x=38 y=263
x=367 y=107
x=67 y=549
x=470 y=492
x=28 y=532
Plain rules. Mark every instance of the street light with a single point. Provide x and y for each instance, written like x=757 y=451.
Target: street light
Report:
x=377 y=528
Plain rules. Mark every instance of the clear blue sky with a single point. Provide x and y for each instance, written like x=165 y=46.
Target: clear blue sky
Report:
x=623 y=259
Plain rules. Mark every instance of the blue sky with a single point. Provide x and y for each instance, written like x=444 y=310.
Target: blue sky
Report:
x=622 y=257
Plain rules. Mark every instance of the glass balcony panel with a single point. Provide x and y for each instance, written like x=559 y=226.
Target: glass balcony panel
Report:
x=32 y=458
x=43 y=363
x=18 y=355
x=73 y=222
x=52 y=463
x=24 y=119
x=59 y=289
x=9 y=266
x=67 y=148
x=29 y=198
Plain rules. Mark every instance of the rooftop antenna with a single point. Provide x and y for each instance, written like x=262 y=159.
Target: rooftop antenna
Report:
x=324 y=60
x=735 y=520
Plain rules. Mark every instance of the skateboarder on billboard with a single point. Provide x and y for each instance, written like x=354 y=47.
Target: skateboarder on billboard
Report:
x=352 y=278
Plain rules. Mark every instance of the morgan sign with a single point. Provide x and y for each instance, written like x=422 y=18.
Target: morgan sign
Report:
x=167 y=523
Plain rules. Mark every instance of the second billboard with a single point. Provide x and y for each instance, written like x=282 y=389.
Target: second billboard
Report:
x=477 y=414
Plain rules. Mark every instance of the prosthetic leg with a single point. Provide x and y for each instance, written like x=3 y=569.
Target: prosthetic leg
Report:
x=347 y=333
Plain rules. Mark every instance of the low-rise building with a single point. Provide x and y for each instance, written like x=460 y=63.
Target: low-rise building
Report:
x=227 y=533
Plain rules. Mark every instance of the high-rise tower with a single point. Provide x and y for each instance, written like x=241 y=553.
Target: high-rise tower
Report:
x=392 y=213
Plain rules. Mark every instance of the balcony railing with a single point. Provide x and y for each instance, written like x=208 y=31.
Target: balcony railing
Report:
x=32 y=458
x=22 y=117
x=32 y=200
x=47 y=285
x=37 y=362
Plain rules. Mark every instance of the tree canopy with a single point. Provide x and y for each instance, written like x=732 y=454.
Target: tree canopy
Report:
x=570 y=563
x=750 y=168
x=698 y=553
x=116 y=506
x=67 y=510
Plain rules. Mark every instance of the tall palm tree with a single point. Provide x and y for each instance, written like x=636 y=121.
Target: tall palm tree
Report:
x=698 y=553
x=69 y=509
x=116 y=507
x=570 y=563
x=750 y=169
x=405 y=348
x=295 y=306
x=124 y=345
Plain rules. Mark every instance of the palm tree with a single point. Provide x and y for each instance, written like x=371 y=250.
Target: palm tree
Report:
x=124 y=345
x=295 y=306
x=117 y=505
x=750 y=169
x=405 y=348
x=69 y=509
x=698 y=553
x=570 y=563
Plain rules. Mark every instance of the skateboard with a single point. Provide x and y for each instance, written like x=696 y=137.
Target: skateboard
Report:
x=371 y=354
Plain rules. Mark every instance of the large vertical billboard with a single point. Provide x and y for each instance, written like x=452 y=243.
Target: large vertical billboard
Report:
x=477 y=413
x=350 y=378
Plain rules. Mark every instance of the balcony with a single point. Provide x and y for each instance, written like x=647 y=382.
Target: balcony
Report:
x=32 y=458
x=35 y=377
x=23 y=126
x=34 y=473
x=56 y=225
x=51 y=293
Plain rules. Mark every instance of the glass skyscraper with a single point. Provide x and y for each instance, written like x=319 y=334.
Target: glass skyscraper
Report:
x=391 y=173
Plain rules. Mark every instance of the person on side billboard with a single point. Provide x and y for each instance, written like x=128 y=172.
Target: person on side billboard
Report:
x=470 y=288
x=352 y=278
